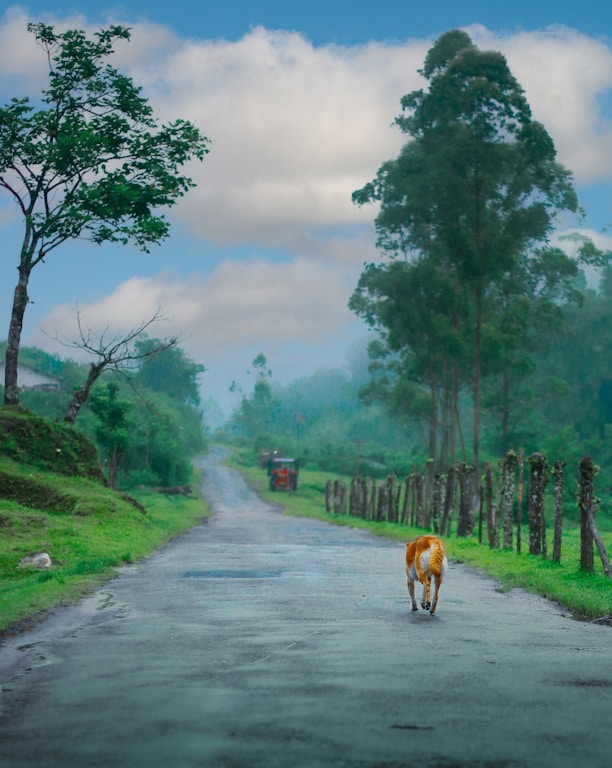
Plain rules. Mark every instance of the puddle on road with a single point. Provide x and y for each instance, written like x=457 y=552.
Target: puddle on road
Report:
x=229 y=574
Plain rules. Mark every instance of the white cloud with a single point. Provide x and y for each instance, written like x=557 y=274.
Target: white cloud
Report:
x=567 y=78
x=251 y=303
x=296 y=129
x=600 y=239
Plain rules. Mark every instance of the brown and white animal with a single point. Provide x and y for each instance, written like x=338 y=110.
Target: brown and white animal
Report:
x=426 y=561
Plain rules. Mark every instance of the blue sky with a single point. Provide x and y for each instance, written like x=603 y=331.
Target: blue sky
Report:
x=298 y=101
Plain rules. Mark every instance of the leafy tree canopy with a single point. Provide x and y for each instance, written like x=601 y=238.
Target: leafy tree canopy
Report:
x=89 y=161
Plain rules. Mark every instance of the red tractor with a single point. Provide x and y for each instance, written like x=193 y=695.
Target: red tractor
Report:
x=284 y=475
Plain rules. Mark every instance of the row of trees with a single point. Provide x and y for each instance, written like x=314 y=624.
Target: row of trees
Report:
x=469 y=290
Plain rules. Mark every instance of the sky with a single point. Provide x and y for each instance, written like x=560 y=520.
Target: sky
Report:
x=298 y=101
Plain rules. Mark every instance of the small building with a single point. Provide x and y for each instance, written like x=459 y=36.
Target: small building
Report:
x=30 y=378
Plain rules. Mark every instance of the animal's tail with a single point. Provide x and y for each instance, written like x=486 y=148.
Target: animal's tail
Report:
x=437 y=560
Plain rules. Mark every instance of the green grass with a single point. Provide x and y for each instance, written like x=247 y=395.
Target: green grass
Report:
x=586 y=596
x=87 y=529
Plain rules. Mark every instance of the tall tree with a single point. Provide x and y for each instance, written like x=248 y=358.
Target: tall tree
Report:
x=91 y=163
x=477 y=186
x=412 y=306
x=254 y=413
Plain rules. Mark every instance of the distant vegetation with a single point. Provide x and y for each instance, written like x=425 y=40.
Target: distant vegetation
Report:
x=146 y=421
x=565 y=411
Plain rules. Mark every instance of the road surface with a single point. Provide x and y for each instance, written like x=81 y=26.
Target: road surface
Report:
x=264 y=641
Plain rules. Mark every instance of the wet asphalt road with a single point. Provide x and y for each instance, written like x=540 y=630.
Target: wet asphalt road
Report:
x=264 y=641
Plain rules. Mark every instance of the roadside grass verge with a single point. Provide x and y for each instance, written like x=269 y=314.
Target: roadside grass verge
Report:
x=88 y=530
x=585 y=596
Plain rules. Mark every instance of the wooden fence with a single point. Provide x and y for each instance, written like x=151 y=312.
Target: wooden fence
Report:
x=436 y=501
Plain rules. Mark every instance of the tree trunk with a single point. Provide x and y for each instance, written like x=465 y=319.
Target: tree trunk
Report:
x=113 y=468
x=81 y=395
x=477 y=370
x=433 y=420
x=11 y=364
x=444 y=459
x=505 y=408
x=457 y=418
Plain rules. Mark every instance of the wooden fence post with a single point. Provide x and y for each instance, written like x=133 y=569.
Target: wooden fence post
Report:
x=397 y=492
x=353 y=504
x=427 y=491
x=449 y=501
x=585 y=502
x=371 y=514
x=538 y=477
x=381 y=502
x=328 y=486
x=339 y=497
x=491 y=516
x=436 y=502
x=480 y=511
x=507 y=497
x=365 y=500
x=419 y=484
x=465 y=518
x=588 y=524
x=519 y=502
x=558 y=473
x=413 y=499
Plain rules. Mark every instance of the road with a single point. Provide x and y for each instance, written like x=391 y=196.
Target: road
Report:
x=259 y=640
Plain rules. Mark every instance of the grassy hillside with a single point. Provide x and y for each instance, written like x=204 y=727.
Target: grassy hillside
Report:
x=54 y=498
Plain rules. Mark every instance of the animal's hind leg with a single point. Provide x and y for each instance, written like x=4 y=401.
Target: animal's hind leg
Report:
x=437 y=585
x=411 y=593
x=426 y=599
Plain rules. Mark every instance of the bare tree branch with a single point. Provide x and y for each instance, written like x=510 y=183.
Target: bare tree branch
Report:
x=115 y=353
